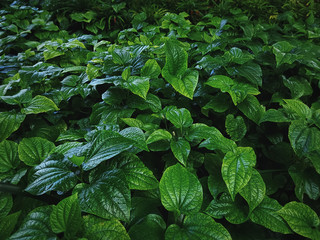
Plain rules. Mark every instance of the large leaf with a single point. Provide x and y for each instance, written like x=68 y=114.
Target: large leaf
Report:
x=137 y=136
x=53 y=174
x=298 y=86
x=39 y=104
x=237 y=168
x=266 y=215
x=176 y=60
x=138 y=85
x=235 y=127
x=9 y=123
x=107 y=196
x=255 y=190
x=138 y=176
x=282 y=52
x=8 y=156
x=180 y=149
x=252 y=72
x=24 y=96
x=235 y=211
x=179 y=117
x=151 y=226
x=303 y=139
x=32 y=151
x=66 y=216
x=158 y=135
x=301 y=219
x=180 y=190
x=252 y=108
x=297 y=108
x=197 y=226
x=101 y=229
x=37 y=223
x=105 y=145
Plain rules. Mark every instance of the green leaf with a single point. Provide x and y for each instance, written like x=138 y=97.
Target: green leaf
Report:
x=39 y=104
x=224 y=83
x=237 y=168
x=37 y=223
x=133 y=122
x=176 y=60
x=151 y=69
x=137 y=137
x=7 y=225
x=252 y=109
x=107 y=196
x=218 y=103
x=301 y=219
x=32 y=151
x=100 y=229
x=121 y=56
x=197 y=226
x=217 y=141
x=138 y=85
x=306 y=180
x=303 y=139
x=180 y=190
x=298 y=86
x=24 y=96
x=66 y=216
x=9 y=123
x=138 y=176
x=216 y=185
x=265 y=214
x=181 y=150
x=282 y=52
x=51 y=53
x=235 y=127
x=151 y=226
x=5 y=204
x=104 y=146
x=273 y=115
x=235 y=211
x=159 y=134
x=8 y=156
x=179 y=117
x=53 y=174
x=252 y=72
x=93 y=71
x=255 y=190
x=298 y=108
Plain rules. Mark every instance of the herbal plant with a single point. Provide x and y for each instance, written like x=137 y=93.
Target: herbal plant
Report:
x=180 y=130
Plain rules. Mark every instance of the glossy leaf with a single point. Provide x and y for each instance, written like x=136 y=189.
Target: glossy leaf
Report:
x=104 y=146
x=159 y=134
x=138 y=85
x=6 y=204
x=107 y=196
x=66 y=216
x=235 y=127
x=9 y=123
x=179 y=117
x=237 y=168
x=53 y=174
x=36 y=223
x=24 y=96
x=137 y=175
x=298 y=108
x=137 y=137
x=180 y=149
x=180 y=190
x=252 y=72
x=255 y=190
x=301 y=219
x=252 y=108
x=7 y=224
x=8 y=156
x=197 y=226
x=151 y=69
x=265 y=214
x=101 y=229
x=40 y=104
x=32 y=151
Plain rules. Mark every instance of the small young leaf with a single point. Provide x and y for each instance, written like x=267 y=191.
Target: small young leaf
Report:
x=235 y=127
x=159 y=134
x=180 y=190
x=181 y=150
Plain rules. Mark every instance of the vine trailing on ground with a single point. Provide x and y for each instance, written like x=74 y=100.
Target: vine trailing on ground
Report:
x=193 y=127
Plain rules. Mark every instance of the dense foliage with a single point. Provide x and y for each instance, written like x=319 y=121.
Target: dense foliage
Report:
x=156 y=124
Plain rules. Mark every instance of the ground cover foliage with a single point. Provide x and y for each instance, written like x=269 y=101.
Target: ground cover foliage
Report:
x=197 y=124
